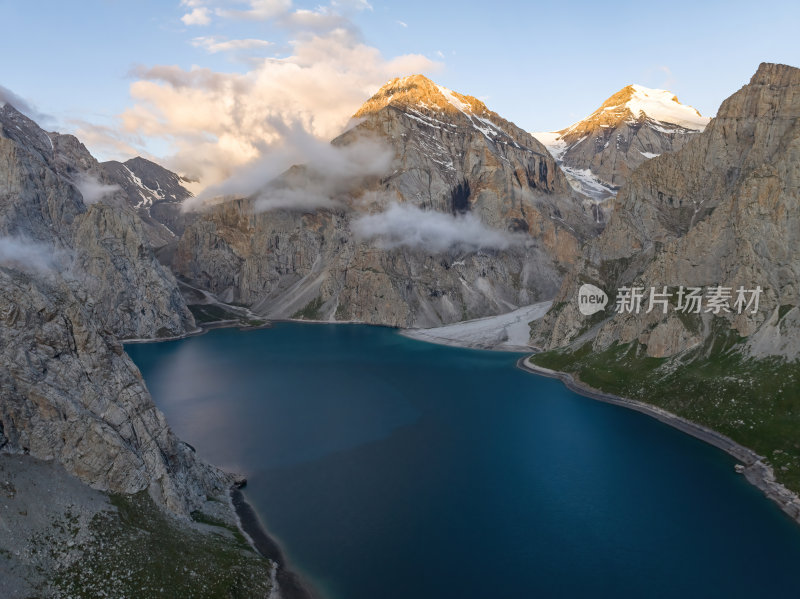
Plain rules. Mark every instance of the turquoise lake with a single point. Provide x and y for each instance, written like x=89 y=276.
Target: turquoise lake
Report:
x=389 y=468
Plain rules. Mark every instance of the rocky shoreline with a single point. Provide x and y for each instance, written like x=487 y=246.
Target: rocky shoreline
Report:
x=202 y=330
x=756 y=470
x=289 y=585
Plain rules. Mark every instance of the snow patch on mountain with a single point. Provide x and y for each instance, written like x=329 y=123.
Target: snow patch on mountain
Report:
x=554 y=143
x=662 y=105
x=635 y=124
x=453 y=100
x=584 y=181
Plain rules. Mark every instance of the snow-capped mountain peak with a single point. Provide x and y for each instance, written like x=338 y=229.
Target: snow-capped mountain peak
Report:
x=633 y=125
x=437 y=107
x=419 y=91
x=657 y=104
x=634 y=103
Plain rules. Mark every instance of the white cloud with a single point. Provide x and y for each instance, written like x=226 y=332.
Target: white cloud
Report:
x=92 y=189
x=320 y=20
x=213 y=44
x=285 y=11
x=258 y=10
x=9 y=97
x=27 y=255
x=208 y=125
x=402 y=24
x=356 y=5
x=327 y=171
x=108 y=141
x=198 y=16
x=407 y=225
x=218 y=122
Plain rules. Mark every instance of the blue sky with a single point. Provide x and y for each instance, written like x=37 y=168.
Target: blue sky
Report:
x=542 y=65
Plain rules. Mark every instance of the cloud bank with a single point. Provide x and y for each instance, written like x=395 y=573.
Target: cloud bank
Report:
x=406 y=225
x=323 y=171
x=258 y=10
x=29 y=256
x=218 y=122
x=92 y=189
x=215 y=125
x=197 y=15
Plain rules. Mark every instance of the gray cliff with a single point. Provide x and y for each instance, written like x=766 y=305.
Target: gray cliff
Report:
x=157 y=195
x=100 y=240
x=75 y=275
x=723 y=211
x=71 y=394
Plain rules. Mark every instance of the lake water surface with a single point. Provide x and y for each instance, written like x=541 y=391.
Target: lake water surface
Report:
x=389 y=468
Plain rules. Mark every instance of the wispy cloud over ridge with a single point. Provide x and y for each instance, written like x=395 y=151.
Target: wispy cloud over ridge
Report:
x=405 y=225
x=93 y=190
x=9 y=97
x=325 y=171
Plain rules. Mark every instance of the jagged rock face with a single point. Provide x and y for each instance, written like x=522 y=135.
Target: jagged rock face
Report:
x=124 y=189
x=724 y=210
x=315 y=270
x=601 y=151
x=79 y=276
x=136 y=297
x=155 y=192
x=449 y=154
x=446 y=140
x=33 y=195
x=102 y=244
x=70 y=393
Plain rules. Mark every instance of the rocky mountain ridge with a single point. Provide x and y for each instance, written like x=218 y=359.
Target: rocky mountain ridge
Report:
x=71 y=394
x=635 y=124
x=680 y=212
x=77 y=274
x=156 y=194
x=56 y=197
x=454 y=166
x=471 y=217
